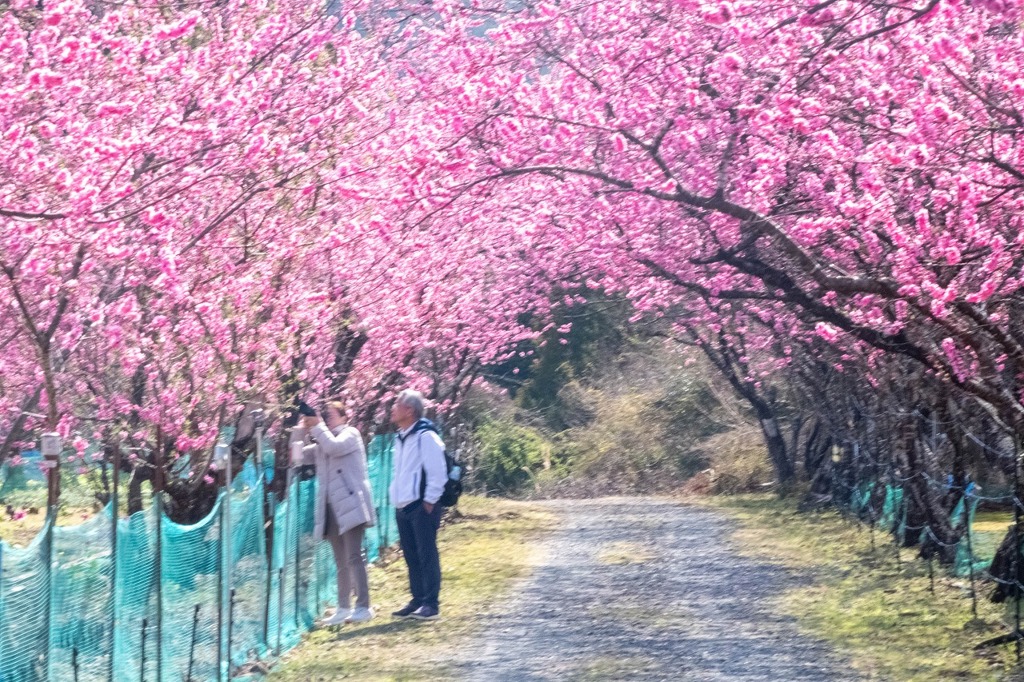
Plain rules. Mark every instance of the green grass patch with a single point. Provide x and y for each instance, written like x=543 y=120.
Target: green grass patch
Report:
x=481 y=554
x=877 y=612
x=989 y=530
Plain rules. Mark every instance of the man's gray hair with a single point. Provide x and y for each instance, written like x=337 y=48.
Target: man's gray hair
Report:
x=413 y=399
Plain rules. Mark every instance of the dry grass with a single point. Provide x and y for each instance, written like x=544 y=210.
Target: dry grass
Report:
x=738 y=461
x=880 y=614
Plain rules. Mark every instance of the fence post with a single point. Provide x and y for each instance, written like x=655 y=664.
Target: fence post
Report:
x=114 y=505
x=1016 y=544
x=220 y=590
x=298 y=547
x=223 y=457
x=295 y=450
x=158 y=486
x=50 y=446
x=970 y=558
x=51 y=515
x=258 y=423
x=271 y=505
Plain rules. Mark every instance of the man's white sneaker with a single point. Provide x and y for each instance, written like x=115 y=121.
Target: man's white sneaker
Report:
x=360 y=615
x=339 y=618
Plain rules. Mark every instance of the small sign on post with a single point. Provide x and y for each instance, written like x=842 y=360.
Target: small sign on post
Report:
x=221 y=455
x=50 y=446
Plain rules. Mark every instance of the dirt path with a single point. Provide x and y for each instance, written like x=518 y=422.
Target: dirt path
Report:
x=645 y=589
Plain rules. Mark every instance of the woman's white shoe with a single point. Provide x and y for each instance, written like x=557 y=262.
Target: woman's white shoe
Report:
x=340 y=617
x=360 y=615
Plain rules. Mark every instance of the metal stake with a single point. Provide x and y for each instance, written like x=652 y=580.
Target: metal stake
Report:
x=970 y=560
x=231 y=621
x=142 y=663
x=192 y=644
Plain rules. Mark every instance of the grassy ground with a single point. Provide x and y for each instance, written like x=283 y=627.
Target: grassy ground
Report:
x=879 y=613
x=989 y=530
x=480 y=555
x=23 y=505
x=21 y=532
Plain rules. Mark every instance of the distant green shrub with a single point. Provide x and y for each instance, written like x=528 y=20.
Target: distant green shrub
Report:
x=509 y=456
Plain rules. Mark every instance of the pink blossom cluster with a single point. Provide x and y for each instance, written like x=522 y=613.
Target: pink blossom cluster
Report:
x=198 y=208
x=840 y=172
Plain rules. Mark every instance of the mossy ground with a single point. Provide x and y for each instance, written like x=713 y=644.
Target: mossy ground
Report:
x=481 y=554
x=878 y=612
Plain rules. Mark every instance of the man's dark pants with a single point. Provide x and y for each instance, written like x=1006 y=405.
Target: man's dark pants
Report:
x=417 y=534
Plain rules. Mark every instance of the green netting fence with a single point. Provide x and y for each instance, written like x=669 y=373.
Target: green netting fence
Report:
x=885 y=507
x=144 y=598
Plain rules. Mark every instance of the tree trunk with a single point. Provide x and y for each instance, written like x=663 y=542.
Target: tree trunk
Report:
x=1002 y=569
x=778 y=453
x=134 y=493
x=932 y=505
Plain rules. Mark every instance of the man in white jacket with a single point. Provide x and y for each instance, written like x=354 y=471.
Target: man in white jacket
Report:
x=418 y=482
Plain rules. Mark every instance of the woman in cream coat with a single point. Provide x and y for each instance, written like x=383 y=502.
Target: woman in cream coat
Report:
x=344 y=505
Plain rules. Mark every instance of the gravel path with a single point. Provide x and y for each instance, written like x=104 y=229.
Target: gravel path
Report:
x=646 y=589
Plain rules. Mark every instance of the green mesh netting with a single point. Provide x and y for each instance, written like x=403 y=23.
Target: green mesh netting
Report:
x=24 y=609
x=860 y=497
x=900 y=530
x=248 y=577
x=135 y=591
x=82 y=599
x=967 y=559
x=287 y=614
x=891 y=508
x=190 y=577
x=379 y=462
x=216 y=598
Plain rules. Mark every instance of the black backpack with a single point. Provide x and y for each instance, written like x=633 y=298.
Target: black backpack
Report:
x=452 y=485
